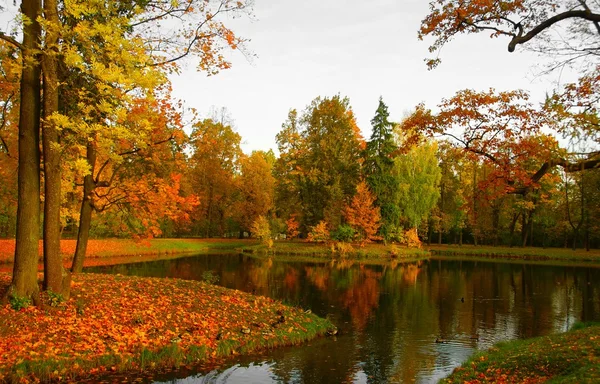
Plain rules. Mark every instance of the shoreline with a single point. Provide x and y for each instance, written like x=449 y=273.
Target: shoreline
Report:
x=123 y=324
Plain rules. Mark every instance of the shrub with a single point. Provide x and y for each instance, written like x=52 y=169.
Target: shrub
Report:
x=262 y=230
x=17 y=302
x=412 y=238
x=319 y=233
x=341 y=248
x=344 y=233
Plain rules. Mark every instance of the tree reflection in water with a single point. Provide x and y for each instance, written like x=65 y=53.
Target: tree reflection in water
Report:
x=390 y=315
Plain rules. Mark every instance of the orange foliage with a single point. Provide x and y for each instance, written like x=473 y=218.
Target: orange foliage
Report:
x=292 y=225
x=363 y=215
x=362 y=297
x=120 y=316
x=319 y=233
x=412 y=238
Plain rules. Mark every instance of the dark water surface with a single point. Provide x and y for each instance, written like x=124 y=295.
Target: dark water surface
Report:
x=390 y=316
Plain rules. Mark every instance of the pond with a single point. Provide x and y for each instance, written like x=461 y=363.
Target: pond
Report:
x=389 y=316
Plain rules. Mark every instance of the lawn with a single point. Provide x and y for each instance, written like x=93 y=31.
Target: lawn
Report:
x=571 y=357
x=101 y=248
x=522 y=253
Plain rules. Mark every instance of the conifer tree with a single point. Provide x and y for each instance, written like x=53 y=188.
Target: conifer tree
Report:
x=379 y=163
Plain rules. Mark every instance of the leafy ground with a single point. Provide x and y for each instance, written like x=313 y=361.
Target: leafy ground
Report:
x=116 y=323
x=571 y=357
x=103 y=248
x=519 y=253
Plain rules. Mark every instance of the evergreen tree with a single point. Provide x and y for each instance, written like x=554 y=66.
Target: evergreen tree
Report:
x=378 y=166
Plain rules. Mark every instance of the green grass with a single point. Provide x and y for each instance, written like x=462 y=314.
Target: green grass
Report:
x=304 y=251
x=570 y=357
x=517 y=253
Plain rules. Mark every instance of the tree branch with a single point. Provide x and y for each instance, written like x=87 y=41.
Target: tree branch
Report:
x=10 y=40
x=521 y=39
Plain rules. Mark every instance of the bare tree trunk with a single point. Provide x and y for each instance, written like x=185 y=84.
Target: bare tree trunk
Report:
x=24 y=280
x=54 y=273
x=85 y=216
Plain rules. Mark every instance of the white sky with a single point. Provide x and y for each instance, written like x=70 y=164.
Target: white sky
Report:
x=359 y=49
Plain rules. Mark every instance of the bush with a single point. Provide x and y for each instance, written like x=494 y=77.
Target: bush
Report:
x=343 y=233
x=319 y=233
x=17 y=302
x=262 y=230
x=341 y=248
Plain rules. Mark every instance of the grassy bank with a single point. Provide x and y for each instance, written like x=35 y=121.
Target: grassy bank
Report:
x=571 y=357
x=518 y=253
x=105 y=248
x=311 y=251
x=131 y=324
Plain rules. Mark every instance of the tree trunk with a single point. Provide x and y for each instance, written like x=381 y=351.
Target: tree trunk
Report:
x=54 y=273
x=24 y=280
x=85 y=216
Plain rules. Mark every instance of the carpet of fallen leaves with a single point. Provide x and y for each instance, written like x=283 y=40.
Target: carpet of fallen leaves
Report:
x=121 y=316
x=571 y=357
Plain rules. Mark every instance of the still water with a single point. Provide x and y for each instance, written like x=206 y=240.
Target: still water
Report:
x=389 y=316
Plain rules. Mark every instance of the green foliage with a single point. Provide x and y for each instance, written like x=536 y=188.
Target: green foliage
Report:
x=378 y=169
x=54 y=299
x=319 y=164
x=210 y=277
x=419 y=176
x=343 y=233
x=18 y=302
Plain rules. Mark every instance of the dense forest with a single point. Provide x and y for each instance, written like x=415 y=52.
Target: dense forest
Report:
x=169 y=183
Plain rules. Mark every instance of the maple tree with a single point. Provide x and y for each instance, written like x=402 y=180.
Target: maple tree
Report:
x=530 y=23
x=363 y=215
x=566 y=30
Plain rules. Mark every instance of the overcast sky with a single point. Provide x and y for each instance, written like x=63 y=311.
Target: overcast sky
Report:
x=359 y=49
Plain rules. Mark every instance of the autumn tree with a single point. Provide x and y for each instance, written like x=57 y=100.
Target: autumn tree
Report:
x=9 y=108
x=419 y=175
x=378 y=166
x=257 y=187
x=363 y=215
x=24 y=281
x=320 y=162
x=89 y=35
x=213 y=166
x=567 y=31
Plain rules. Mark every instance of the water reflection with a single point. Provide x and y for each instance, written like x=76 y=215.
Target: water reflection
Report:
x=390 y=316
